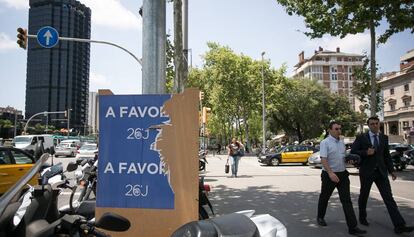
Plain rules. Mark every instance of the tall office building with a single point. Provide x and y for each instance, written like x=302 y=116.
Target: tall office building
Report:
x=58 y=78
x=333 y=69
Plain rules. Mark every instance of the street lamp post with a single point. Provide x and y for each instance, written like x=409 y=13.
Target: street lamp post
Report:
x=263 y=106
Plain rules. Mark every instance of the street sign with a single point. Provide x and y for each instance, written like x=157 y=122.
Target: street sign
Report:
x=47 y=37
x=132 y=173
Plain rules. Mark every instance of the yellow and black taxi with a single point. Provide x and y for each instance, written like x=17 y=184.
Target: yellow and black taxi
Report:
x=14 y=163
x=288 y=154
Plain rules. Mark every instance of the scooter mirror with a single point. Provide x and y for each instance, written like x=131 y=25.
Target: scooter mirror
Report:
x=113 y=222
x=71 y=167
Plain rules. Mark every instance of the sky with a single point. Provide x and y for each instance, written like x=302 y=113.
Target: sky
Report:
x=246 y=26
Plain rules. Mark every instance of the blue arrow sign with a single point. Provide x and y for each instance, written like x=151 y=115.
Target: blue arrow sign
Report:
x=47 y=37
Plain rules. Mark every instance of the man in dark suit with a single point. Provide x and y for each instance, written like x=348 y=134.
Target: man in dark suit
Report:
x=375 y=166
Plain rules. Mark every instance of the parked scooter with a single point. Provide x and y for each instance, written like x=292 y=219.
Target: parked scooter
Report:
x=40 y=216
x=203 y=190
x=241 y=224
x=399 y=159
x=202 y=160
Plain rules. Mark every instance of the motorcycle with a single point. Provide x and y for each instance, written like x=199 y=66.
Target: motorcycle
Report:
x=399 y=159
x=242 y=224
x=202 y=160
x=203 y=190
x=34 y=212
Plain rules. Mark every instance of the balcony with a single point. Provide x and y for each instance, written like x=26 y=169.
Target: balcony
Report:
x=401 y=110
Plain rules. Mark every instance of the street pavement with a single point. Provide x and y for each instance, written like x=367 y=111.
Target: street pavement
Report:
x=290 y=193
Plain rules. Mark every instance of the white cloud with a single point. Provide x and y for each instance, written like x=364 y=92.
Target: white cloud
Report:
x=98 y=81
x=111 y=13
x=6 y=43
x=358 y=43
x=18 y=4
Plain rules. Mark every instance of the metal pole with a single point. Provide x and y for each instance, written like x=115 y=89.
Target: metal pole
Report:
x=263 y=106
x=185 y=40
x=153 y=46
x=44 y=113
x=15 y=123
x=95 y=41
x=69 y=120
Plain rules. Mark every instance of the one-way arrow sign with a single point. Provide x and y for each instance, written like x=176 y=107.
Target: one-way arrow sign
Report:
x=47 y=37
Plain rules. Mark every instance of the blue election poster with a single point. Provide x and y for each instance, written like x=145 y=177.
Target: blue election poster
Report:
x=131 y=168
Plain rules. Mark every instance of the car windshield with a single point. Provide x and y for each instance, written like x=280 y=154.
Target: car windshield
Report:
x=22 y=139
x=88 y=147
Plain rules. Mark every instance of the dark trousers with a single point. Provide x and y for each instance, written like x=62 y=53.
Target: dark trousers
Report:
x=344 y=195
x=383 y=185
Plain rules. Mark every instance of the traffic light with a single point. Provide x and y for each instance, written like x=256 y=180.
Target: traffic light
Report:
x=206 y=114
x=22 y=38
x=201 y=95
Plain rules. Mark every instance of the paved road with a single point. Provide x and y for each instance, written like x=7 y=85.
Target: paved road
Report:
x=290 y=193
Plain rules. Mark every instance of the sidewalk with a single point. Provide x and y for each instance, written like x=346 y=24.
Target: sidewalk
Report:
x=290 y=193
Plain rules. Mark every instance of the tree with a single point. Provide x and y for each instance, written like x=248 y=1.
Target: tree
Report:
x=362 y=87
x=178 y=48
x=343 y=17
x=304 y=108
x=170 y=72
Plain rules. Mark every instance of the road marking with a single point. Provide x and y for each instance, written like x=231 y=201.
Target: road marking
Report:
x=402 y=198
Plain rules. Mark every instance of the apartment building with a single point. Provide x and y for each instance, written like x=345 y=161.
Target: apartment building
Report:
x=398 y=90
x=333 y=69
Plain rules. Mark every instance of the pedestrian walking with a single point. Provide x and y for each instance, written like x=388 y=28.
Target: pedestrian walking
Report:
x=218 y=148
x=375 y=166
x=334 y=175
x=235 y=151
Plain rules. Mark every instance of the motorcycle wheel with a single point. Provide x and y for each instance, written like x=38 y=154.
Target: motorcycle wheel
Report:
x=202 y=166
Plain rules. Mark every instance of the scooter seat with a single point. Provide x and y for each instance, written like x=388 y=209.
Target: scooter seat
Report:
x=87 y=209
x=234 y=225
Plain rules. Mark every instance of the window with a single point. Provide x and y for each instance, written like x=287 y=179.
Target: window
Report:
x=21 y=158
x=334 y=73
x=392 y=107
x=4 y=158
x=405 y=124
x=392 y=91
x=406 y=87
x=406 y=103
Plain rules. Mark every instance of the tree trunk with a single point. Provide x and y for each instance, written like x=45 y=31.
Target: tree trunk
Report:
x=178 y=48
x=373 y=99
x=246 y=127
x=298 y=133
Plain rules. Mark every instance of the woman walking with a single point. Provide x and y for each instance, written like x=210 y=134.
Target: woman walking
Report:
x=235 y=151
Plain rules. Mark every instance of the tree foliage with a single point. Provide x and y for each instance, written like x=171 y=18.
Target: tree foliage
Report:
x=343 y=17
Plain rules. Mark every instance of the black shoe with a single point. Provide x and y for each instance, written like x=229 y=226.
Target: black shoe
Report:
x=363 y=221
x=321 y=221
x=356 y=231
x=403 y=228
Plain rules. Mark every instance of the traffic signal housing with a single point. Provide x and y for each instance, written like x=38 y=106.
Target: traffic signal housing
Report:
x=206 y=114
x=22 y=38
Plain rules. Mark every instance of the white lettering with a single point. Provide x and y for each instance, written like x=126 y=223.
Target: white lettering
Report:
x=141 y=168
x=133 y=112
x=110 y=112
x=132 y=168
x=142 y=113
x=155 y=170
x=122 y=111
x=153 y=115
x=109 y=168
x=122 y=166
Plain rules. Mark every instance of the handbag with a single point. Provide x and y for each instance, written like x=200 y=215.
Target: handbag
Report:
x=227 y=167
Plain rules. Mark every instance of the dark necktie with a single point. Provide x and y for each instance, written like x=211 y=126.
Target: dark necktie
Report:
x=376 y=144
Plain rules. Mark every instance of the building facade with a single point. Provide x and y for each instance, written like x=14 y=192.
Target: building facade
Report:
x=93 y=113
x=58 y=78
x=398 y=91
x=333 y=69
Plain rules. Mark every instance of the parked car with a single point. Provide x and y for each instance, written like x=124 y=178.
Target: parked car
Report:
x=28 y=142
x=67 y=148
x=14 y=163
x=288 y=154
x=315 y=159
x=87 y=150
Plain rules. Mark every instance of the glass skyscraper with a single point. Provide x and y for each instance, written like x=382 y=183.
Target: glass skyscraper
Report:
x=58 y=78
